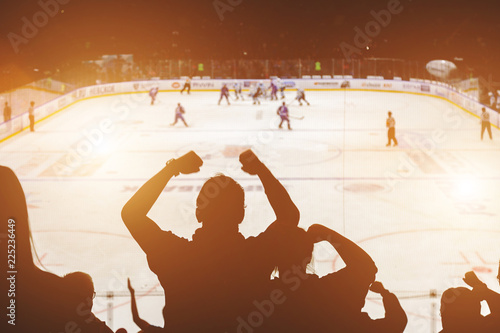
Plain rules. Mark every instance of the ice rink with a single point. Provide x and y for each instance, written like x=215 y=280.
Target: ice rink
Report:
x=426 y=211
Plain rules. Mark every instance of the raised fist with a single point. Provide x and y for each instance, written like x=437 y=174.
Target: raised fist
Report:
x=187 y=163
x=250 y=162
x=472 y=280
x=317 y=232
x=377 y=287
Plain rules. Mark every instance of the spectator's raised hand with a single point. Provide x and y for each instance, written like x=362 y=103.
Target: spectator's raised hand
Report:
x=472 y=280
x=129 y=286
x=250 y=162
x=187 y=163
x=377 y=287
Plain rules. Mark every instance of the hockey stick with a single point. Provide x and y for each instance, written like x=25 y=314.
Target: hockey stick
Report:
x=296 y=117
x=291 y=102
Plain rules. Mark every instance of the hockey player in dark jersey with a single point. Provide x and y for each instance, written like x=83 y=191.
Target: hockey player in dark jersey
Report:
x=283 y=113
x=152 y=93
x=274 y=91
x=179 y=111
x=301 y=96
x=224 y=92
x=187 y=85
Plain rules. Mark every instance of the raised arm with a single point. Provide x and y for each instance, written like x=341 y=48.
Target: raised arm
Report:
x=283 y=206
x=141 y=323
x=395 y=319
x=353 y=256
x=484 y=293
x=134 y=213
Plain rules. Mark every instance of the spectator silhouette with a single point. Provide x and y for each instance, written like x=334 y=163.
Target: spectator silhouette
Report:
x=81 y=296
x=143 y=325
x=39 y=301
x=7 y=112
x=340 y=295
x=461 y=308
x=460 y=311
x=332 y=303
x=210 y=280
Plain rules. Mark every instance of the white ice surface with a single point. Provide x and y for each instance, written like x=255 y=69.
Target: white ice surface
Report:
x=425 y=211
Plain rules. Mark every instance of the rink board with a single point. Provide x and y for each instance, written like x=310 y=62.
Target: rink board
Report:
x=425 y=211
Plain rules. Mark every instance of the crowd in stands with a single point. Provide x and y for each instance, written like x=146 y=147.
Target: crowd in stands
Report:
x=221 y=281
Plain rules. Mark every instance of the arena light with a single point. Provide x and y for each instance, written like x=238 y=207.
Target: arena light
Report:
x=467 y=186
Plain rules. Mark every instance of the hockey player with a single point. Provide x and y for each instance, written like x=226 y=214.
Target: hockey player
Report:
x=237 y=90
x=283 y=113
x=179 y=111
x=390 y=123
x=492 y=99
x=256 y=94
x=187 y=85
x=301 y=96
x=224 y=92
x=262 y=87
x=152 y=93
x=274 y=90
x=281 y=87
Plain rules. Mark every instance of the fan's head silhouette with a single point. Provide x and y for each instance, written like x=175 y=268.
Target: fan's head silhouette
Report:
x=13 y=208
x=221 y=204
x=81 y=289
x=297 y=251
x=460 y=310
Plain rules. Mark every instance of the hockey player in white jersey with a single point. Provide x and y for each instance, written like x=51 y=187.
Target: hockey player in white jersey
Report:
x=237 y=90
x=492 y=99
x=301 y=96
x=281 y=87
x=152 y=93
x=262 y=87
